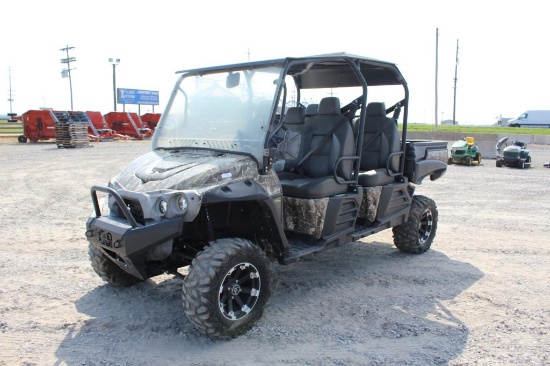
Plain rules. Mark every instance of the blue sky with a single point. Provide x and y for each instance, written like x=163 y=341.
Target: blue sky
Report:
x=503 y=55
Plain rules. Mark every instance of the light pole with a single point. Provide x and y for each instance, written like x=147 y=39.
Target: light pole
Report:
x=114 y=62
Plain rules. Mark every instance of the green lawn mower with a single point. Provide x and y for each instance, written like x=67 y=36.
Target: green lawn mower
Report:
x=465 y=151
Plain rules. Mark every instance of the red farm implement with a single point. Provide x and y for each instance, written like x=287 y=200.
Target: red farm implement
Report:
x=98 y=129
x=151 y=120
x=68 y=128
x=128 y=124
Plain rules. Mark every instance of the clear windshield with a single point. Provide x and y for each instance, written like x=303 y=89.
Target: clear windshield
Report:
x=222 y=111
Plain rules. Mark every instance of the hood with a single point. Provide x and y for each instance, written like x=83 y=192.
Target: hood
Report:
x=460 y=143
x=185 y=169
x=512 y=148
x=512 y=152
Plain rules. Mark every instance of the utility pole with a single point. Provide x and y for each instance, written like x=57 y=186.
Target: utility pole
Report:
x=67 y=72
x=436 y=72
x=10 y=95
x=11 y=115
x=454 y=98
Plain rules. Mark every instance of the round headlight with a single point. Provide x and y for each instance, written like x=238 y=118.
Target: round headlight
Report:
x=182 y=202
x=163 y=206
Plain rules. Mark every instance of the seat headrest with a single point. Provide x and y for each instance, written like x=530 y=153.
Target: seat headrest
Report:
x=329 y=105
x=295 y=115
x=311 y=110
x=376 y=109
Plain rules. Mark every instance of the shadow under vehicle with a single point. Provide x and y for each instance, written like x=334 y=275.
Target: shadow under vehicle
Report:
x=260 y=162
x=515 y=155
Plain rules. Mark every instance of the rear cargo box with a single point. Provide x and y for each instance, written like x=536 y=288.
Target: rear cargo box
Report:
x=423 y=156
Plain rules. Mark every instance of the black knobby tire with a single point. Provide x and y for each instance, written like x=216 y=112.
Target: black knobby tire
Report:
x=521 y=164
x=417 y=234
x=468 y=160
x=227 y=287
x=22 y=139
x=478 y=158
x=499 y=163
x=449 y=161
x=109 y=271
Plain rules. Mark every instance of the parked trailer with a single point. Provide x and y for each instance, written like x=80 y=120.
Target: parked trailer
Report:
x=129 y=124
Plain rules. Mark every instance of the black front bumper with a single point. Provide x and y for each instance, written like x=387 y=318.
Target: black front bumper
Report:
x=123 y=240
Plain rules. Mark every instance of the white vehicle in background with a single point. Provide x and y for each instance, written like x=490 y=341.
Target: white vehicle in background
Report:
x=532 y=118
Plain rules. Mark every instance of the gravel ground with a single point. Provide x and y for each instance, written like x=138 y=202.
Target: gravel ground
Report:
x=479 y=297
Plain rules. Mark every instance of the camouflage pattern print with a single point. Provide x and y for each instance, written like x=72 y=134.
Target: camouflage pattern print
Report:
x=369 y=205
x=305 y=216
x=198 y=170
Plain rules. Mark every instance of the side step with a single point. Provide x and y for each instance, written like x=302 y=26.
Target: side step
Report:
x=299 y=249
x=302 y=245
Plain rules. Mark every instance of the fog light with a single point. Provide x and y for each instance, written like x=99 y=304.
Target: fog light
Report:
x=182 y=203
x=163 y=206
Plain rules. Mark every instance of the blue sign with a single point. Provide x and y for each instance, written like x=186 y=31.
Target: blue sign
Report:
x=137 y=96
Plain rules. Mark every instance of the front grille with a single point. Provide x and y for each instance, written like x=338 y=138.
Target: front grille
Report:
x=511 y=154
x=459 y=151
x=135 y=210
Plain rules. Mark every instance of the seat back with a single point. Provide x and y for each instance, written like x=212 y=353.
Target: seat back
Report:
x=290 y=134
x=311 y=110
x=322 y=162
x=294 y=118
x=375 y=153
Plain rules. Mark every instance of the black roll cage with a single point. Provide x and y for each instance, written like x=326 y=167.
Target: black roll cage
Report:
x=326 y=71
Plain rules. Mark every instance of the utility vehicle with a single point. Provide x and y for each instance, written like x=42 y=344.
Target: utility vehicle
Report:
x=247 y=169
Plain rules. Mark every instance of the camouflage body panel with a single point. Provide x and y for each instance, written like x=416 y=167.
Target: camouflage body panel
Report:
x=198 y=170
x=270 y=183
x=369 y=205
x=305 y=216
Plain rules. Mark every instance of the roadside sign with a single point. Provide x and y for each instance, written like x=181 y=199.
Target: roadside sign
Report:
x=137 y=96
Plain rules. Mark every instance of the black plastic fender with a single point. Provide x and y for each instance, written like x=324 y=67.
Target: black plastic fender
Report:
x=249 y=190
x=433 y=168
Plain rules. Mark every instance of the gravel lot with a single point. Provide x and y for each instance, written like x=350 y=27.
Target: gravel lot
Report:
x=481 y=296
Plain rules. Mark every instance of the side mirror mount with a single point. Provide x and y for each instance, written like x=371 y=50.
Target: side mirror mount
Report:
x=232 y=80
